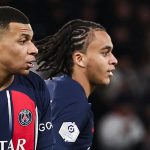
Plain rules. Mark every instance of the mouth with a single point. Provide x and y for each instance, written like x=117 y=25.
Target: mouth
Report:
x=110 y=73
x=31 y=64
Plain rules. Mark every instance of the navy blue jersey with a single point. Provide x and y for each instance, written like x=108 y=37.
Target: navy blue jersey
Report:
x=25 y=115
x=72 y=117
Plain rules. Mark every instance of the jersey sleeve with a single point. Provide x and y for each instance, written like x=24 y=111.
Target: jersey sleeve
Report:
x=44 y=128
x=69 y=121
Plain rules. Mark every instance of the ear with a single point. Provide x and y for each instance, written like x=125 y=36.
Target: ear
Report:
x=79 y=59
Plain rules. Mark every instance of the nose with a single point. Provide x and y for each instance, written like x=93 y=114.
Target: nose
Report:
x=32 y=49
x=113 y=60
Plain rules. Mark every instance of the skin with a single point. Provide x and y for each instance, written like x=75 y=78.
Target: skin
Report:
x=17 y=52
x=95 y=66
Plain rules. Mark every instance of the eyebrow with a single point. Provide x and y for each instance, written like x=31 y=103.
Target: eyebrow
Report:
x=27 y=36
x=107 y=47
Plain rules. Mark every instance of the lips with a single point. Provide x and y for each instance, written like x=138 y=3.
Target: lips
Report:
x=110 y=72
x=31 y=63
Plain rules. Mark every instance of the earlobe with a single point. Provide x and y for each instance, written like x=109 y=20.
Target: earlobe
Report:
x=79 y=59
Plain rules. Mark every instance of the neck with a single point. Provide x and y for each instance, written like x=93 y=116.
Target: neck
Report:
x=82 y=80
x=5 y=81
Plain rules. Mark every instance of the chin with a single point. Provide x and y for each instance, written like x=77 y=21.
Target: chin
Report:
x=23 y=72
x=106 y=82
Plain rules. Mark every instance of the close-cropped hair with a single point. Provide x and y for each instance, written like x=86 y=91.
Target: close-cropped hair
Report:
x=9 y=14
x=55 y=51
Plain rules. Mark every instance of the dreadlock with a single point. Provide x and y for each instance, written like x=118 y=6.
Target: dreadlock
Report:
x=55 y=52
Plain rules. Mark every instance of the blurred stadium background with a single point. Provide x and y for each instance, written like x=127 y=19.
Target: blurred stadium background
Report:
x=122 y=109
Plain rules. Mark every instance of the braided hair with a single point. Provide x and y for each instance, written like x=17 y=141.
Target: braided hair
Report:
x=55 y=51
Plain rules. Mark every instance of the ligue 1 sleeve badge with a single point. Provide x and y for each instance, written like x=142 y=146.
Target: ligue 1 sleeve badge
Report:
x=69 y=131
x=25 y=117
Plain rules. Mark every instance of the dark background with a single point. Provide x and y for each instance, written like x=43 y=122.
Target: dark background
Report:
x=124 y=105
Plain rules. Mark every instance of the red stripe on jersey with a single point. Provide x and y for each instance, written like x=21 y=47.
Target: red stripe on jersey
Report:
x=24 y=120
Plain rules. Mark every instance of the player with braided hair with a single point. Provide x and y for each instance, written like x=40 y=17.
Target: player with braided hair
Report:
x=78 y=57
x=54 y=49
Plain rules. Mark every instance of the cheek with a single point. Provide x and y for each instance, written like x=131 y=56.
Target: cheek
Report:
x=97 y=70
x=94 y=69
x=12 y=56
x=18 y=53
x=97 y=63
x=16 y=56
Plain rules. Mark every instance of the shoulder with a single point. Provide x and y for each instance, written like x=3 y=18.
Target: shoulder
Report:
x=32 y=84
x=31 y=79
x=65 y=86
x=34 y=77
x=66 y=92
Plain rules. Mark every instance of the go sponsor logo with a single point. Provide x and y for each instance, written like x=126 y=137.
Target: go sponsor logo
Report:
x=45 y=126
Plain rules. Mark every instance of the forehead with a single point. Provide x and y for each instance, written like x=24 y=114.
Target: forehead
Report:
x=100 y=39
x=20 y=28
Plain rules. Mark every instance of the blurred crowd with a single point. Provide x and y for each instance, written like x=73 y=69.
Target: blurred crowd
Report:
x=122 y=109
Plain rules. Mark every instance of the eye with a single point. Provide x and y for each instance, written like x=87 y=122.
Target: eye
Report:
x=22 y=42
x=105 y=53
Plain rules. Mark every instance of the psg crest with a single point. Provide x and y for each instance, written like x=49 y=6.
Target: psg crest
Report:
x=25 y=117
